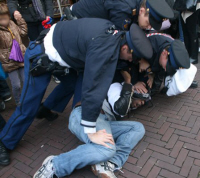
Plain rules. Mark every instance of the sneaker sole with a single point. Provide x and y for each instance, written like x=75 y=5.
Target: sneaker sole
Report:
x=44 y=162
x=99 y=175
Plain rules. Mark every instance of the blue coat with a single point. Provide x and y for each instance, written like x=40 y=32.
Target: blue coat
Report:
x=117 y=11
x=159 y=43
x=85 y=44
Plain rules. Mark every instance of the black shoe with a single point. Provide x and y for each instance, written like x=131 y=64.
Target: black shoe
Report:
x=46 y=113
x=193 y=61
x=7 y=97
x=4 y=155
x=194 y=84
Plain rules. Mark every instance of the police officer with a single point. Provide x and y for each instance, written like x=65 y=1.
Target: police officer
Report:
x=168 y=56
x=90 y=44
x=147 y=13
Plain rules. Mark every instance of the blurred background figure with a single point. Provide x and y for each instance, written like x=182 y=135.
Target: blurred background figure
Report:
x=28 y=10
x=189 y=20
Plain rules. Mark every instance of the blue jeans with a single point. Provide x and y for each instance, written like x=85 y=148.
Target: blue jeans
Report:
x=126 y=135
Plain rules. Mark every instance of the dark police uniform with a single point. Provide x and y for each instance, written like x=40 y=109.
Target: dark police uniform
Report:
x=123 y=13
x=90 y=44
x=177 y=57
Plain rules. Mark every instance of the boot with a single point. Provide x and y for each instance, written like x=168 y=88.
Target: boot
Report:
x=194 y=84
x=4 y=155
x=193 y=61
x=46 y=113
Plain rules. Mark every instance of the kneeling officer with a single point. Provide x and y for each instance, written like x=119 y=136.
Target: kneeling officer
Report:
x=92 y=45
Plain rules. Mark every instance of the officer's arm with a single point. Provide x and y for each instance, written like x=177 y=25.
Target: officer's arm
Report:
x=118 y=12
x=100 y=66
x=12 y=5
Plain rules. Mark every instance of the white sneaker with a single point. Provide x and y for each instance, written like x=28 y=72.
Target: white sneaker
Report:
x=46 y=170
x=104 y=170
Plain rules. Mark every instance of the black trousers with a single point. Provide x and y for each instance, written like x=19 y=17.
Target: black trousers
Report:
x=4 y=89
x=34 y=29
x=191 y=35
x=2 y=122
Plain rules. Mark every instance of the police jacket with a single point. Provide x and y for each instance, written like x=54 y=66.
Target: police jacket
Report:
x=159 y=42
x=26 y=8
x=89 y=45
x=116 y=11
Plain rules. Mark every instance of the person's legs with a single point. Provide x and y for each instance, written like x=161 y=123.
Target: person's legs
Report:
x=5 y=93
x=126 y=134
x=61 y=95
x=32 y=94
x=40 y=27
x=181 y=36
x=86 y=154
x=191 y=25
x=185 y=35
x=2 y=122
x=16 y=86
x=21 y=73
x=34 y=29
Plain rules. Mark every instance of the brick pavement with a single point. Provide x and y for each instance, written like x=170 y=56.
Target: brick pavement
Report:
x=170 y=147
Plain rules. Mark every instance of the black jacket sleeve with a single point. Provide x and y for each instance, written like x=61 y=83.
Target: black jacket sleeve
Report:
x=48 y=5
x=118 y=12
x=12 y=6
x=122 y=105
x=100 y=65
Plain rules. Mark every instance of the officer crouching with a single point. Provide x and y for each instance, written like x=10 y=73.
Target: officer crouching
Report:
x=92 y=45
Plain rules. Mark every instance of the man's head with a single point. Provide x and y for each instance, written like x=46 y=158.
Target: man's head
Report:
x=137 y=45
x=152 y=13
x=174 y=56
x=143 y=16
x=4 y=15
x=136 y=103
x=125 y=53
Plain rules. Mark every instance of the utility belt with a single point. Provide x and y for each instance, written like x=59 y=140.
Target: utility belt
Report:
x=41 y=64
x=44 y=65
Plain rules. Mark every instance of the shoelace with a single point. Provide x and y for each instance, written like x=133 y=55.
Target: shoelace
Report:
x=107 y=167
x=45 y=169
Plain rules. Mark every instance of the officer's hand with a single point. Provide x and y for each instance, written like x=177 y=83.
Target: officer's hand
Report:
x=137 y=103
x=150 y=80
x=126 y=76
x=143 y=65
x=101 y=138
x=47 y=17
x=17 y=15
x=140 y=87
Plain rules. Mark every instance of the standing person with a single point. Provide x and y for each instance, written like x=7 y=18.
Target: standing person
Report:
x=27 y=10
x=189 y=22
x=9 y=32
x=92 y=45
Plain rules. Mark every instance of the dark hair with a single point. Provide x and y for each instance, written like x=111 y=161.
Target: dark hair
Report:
x=4 y=9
